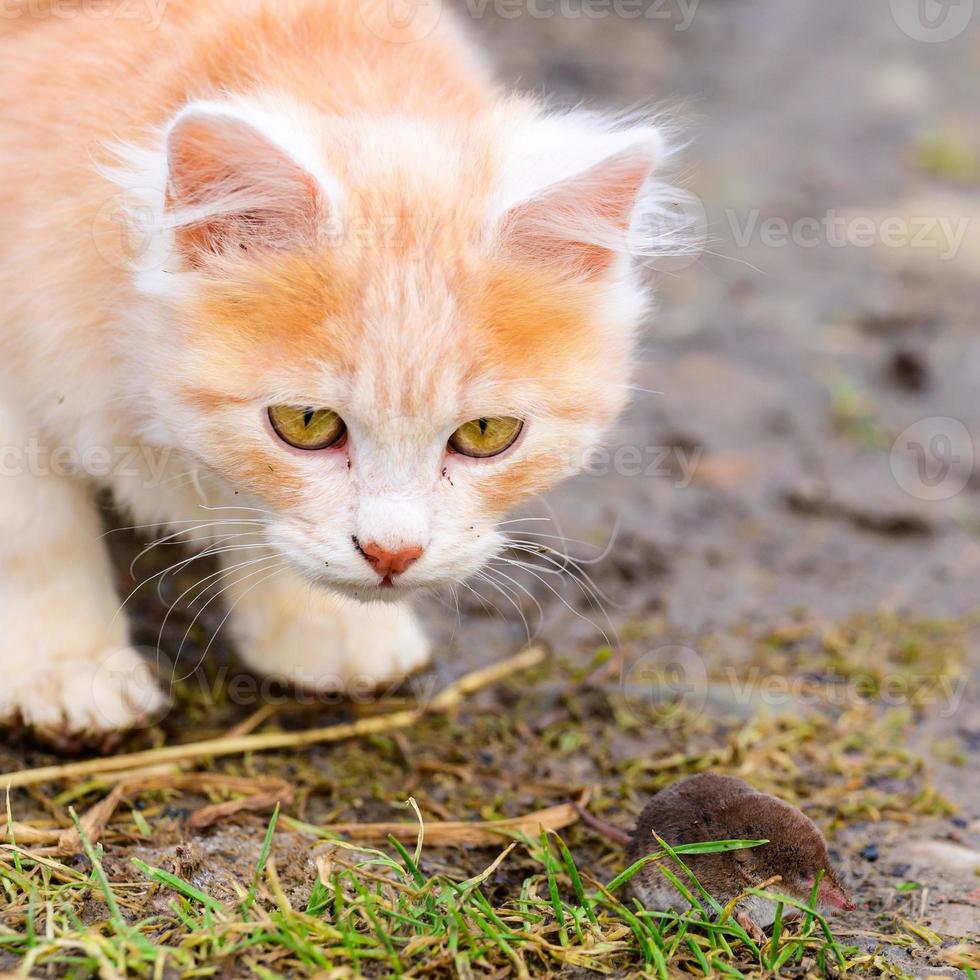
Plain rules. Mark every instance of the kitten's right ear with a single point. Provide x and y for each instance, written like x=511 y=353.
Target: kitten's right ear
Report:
x=232 y=184
x=574 y=190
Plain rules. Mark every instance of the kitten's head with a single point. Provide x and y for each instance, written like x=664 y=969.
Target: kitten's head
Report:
x=389 y=332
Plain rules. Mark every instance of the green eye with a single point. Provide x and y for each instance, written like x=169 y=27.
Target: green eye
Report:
x=485 y=437
x=307 y=428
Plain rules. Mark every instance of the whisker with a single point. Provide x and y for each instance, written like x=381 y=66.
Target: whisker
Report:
x=187 y=475
x=161 y=576
x=567 y=565
x=545 y=548
x=585 y=584
x=565 y=602
x=189 y=530
x=539 y=547
x=207 y=553
x=275 y=571
x=165 y=524
x=508 y=595
x=604 y=550
x=256 y=510
x=558 y=537
x=204 y=538
x=522 y=589
x=521 y=520
x=489 y=606
x=217 y=595
x=220 y=574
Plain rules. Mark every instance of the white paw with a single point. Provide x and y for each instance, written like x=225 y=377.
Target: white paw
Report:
x=339 y=646
x=83 y=697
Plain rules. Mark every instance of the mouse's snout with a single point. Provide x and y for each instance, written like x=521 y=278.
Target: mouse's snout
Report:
x=834 y=894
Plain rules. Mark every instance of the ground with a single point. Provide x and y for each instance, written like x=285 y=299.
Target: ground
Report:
x=785 y=534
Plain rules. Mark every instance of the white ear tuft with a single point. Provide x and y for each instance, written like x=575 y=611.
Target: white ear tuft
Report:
x=579 y=192
x=233 y=183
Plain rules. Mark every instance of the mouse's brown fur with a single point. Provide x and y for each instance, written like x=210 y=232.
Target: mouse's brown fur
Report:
x=712 y=807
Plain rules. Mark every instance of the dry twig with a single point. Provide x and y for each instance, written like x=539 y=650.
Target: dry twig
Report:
x=445 y=701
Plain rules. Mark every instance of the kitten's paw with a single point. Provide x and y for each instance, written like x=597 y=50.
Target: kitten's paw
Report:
x=83 y=698
x=339 y=647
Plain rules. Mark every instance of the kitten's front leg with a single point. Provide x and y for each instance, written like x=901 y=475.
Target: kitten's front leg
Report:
x=320 y=641
x=66 y=668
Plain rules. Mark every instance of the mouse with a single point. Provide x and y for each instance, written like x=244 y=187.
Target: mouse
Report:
x=709 y=807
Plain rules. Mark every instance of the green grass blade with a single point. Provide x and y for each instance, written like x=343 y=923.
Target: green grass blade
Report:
x=777 y=928
x=699 y=956
x=96 y=861
x=180 y=886
x=576 y=879
x=263 y=860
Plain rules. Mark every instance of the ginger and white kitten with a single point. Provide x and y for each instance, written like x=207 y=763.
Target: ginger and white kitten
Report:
x=362 y=304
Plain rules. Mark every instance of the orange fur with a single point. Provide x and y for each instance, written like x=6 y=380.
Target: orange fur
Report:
x=283 y=202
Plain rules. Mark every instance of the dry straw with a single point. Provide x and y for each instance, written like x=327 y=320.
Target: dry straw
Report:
x=135 y=764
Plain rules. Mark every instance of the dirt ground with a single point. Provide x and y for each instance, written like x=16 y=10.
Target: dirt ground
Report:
x=789 y=570
x=792 y=371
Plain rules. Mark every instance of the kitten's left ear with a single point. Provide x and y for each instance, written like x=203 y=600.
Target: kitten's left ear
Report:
x=233 y=184
x=583 y=197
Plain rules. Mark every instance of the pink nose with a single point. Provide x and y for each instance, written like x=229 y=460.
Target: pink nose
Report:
x=387 y=563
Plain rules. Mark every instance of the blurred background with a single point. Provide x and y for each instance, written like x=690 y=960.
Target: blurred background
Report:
x=836 y=150
x=804 y=477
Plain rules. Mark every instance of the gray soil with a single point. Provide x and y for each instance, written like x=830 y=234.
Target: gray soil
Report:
x=794 y=369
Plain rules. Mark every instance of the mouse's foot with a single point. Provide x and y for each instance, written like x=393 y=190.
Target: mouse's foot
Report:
x=750 y=926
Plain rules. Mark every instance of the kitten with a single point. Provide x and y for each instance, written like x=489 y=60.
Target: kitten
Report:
x=306 y=288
